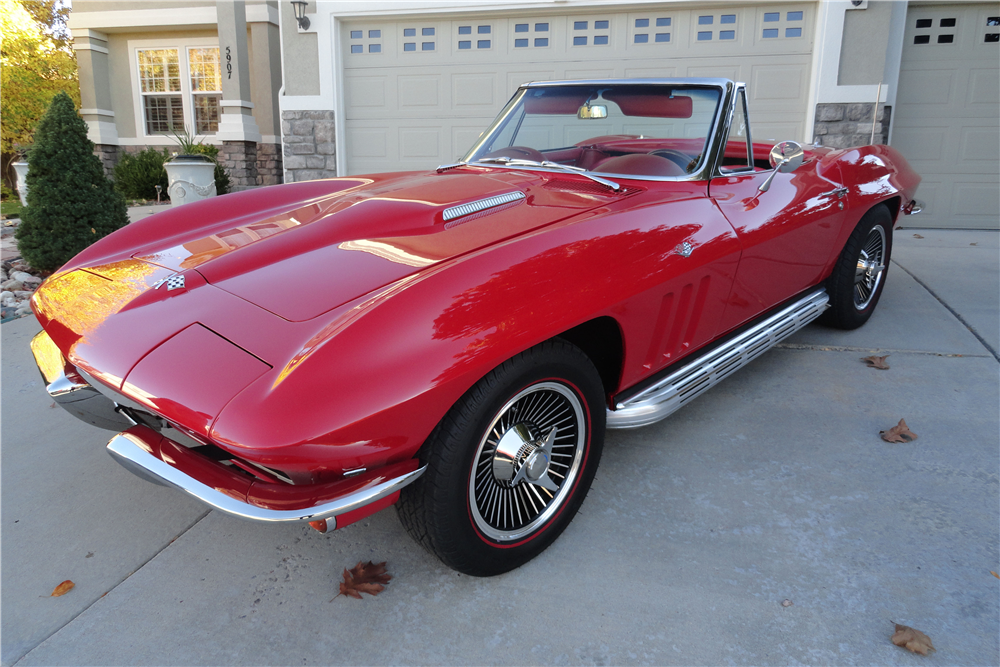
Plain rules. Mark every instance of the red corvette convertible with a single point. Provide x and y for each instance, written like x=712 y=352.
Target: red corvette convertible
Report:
x=455 y=342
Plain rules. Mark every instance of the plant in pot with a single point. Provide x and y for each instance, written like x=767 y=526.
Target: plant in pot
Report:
x=194 y=173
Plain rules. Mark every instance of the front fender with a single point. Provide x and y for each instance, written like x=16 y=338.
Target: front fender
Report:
x=372 y=383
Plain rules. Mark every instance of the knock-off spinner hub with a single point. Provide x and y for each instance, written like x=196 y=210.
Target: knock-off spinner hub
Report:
x=522 y=457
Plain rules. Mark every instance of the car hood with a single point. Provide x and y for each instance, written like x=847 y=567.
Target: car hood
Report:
x=318 y=254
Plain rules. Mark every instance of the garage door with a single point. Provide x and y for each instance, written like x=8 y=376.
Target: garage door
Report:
x=947 y=117
x=418 y=92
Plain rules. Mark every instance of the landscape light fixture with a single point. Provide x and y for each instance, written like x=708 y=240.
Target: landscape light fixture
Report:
x=299 y=6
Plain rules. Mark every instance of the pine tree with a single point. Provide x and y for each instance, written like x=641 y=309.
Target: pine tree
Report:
x=71 y=203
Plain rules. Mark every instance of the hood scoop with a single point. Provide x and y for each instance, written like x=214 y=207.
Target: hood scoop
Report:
x=481 y=205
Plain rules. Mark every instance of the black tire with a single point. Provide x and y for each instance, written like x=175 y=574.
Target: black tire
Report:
x=490 y=454
x=858 y=278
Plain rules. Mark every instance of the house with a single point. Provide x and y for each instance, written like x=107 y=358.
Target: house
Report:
x=151 y=70
x=388 y=85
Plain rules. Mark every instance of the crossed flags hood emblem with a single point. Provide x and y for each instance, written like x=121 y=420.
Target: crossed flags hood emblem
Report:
x=173 y=282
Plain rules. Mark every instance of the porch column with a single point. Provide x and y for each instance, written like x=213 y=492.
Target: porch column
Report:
x=91 y=49
x=237 y=128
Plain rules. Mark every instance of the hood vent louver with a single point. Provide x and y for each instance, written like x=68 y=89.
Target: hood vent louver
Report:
x=482 y=204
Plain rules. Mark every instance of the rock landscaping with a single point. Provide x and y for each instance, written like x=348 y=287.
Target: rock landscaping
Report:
x=18 y=281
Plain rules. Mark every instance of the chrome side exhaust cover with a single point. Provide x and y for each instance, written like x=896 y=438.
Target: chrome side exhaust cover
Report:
x=704 y=372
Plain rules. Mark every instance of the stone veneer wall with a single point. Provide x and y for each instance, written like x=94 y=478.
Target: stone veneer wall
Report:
x=108 y=155
x=267 y=162
x=240 y=160
x=309 y=145
x=846 y=125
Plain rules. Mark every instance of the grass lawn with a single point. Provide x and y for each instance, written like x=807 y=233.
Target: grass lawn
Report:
x=11 y=209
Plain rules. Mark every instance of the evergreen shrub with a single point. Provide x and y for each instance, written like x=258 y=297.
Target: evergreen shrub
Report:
x=138 y=174
x=71 y=203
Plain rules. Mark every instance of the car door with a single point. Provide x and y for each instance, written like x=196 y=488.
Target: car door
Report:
x=786 y=232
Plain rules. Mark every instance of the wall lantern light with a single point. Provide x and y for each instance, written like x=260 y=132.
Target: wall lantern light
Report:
x=299 y=6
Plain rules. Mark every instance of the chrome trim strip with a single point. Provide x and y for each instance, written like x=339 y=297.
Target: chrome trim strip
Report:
x=126 y=450
x=694 y=378
x=482 y=204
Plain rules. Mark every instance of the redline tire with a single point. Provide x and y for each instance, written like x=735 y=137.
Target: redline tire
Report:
x=484 y=507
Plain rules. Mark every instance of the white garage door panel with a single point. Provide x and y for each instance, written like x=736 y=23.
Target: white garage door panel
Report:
x=971 y=198
x=418 y=92
x=947 y=116
x=980 y=145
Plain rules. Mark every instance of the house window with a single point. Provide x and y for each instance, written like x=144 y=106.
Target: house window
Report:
x=164 y=81
x=206 y=88
x=160 y=84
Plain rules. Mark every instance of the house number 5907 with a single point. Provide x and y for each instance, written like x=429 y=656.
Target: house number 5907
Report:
x=229 y=64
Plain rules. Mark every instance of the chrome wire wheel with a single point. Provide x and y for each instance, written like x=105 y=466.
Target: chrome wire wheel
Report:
x=528 y=461
x=871 y=266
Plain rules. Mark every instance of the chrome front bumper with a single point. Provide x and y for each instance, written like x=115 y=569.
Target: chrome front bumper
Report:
x=144 y=452
x=136 y=450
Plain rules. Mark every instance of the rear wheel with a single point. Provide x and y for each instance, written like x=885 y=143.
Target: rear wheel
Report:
x=858 y=278
x=510 y=464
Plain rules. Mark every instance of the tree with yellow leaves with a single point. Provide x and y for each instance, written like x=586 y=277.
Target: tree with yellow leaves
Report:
x=36 y=62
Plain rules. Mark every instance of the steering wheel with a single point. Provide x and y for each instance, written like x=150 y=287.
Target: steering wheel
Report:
x=682 y=160
x=517 y=153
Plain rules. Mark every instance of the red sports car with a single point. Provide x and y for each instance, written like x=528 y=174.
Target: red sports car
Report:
x=455 y=342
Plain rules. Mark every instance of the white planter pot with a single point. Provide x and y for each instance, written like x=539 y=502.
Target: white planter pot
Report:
x=21 y=169
x=190 y=178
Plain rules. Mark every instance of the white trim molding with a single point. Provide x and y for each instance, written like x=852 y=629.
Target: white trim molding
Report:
x=262 y=14
x=97 y=112
x=236 y=103
x=89 y=34
x=238 y=127
x=89 y=47
x=144 y=18
x=103 y=132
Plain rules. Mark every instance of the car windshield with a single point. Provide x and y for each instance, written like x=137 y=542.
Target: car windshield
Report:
x=614 y=129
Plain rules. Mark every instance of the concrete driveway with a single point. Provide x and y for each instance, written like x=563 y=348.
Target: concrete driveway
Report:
x=773 y=486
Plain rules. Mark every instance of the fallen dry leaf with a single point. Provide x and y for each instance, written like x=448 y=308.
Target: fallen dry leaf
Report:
x=877 y=362
x=63 y=588
x=787 y=603
x=899 y=433
x=912 y=640
x=995 y=574
x=917 y=236
x=364 y=578
x=973 y=244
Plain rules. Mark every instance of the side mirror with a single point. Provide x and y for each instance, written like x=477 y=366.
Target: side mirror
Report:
x=786 y=157
x=588 y=112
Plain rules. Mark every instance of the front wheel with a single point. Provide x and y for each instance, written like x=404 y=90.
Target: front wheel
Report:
x=510 y=464
x=859 y=275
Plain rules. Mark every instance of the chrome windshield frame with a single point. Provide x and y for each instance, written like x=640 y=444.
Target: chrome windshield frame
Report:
x=715 y=141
